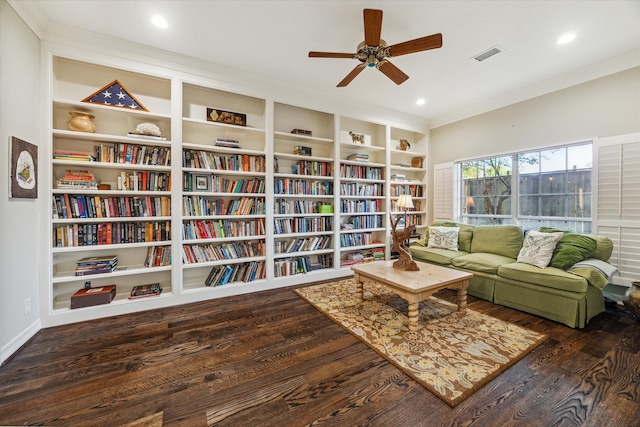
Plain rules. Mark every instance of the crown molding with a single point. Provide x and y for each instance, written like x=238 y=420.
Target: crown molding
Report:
x=30 y=14
x=600 y=69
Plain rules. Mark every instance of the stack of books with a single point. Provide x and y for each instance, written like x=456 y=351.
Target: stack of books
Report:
x=142 y=291
x=359 y=157
x=146 y=136
x=79 y=179
x=73 y=155
x=96 y=265
x=228 y=143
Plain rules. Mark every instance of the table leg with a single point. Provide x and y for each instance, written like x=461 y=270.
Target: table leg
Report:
x=413 y=315
x=462 y=296
x=359 y=287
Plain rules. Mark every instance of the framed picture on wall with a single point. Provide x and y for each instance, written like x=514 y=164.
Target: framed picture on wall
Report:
x=23 y=169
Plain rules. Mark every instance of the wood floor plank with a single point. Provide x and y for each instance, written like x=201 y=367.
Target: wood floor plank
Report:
x=271 y=359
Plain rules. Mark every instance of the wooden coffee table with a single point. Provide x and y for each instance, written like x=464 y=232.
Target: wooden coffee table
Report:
x=413 y=286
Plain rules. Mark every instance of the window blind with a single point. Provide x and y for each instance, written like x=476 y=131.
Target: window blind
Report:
x=617 y=213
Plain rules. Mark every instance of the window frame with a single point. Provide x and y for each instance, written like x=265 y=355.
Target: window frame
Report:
x=582 y=223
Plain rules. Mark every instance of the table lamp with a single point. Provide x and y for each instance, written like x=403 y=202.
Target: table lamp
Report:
x=404 y=202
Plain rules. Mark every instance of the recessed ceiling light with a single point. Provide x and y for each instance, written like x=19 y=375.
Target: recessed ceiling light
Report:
x=566 y=38
x=159 y=21
x=421 y=101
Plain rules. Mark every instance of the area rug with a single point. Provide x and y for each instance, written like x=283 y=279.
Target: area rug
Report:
x=452 y=354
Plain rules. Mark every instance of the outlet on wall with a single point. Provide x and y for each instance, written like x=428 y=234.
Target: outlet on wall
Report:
x=27 y=306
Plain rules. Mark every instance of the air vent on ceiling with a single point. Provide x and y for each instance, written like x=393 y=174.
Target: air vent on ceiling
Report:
x=488 y=53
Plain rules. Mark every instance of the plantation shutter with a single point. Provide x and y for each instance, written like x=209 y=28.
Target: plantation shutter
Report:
x=443 y=191
x=617 y=212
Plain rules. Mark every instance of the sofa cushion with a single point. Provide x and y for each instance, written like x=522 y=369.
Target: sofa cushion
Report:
x=537 y=248
x=505 y=240
x=464 y=237
x=549 y=277
x=484 y=262
x=572 y=248
x=443 y=237
x=604 y=248
x=435 y=255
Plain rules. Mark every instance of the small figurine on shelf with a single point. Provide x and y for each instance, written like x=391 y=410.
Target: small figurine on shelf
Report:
x=404 y=145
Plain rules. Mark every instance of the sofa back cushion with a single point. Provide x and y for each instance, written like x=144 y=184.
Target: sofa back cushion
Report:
x=505 y=240
x=571 y=248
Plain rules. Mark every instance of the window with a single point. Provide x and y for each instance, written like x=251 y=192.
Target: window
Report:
x=550 y=187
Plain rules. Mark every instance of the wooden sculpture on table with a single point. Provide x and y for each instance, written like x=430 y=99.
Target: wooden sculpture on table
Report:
x=405 y=260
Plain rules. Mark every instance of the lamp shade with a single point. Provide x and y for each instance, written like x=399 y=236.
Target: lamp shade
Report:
x=405 y=202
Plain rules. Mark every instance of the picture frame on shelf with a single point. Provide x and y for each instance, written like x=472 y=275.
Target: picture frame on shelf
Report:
x=228 y=117
x=202 y=183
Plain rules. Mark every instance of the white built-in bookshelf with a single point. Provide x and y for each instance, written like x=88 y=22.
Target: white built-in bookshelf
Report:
x=292 y=195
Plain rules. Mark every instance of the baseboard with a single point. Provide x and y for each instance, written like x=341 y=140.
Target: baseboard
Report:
x=15 y=344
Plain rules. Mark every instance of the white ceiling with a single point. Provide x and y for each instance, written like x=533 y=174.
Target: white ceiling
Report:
x=273 y=38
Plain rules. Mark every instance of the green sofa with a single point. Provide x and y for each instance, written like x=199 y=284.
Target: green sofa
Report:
x=568 y=295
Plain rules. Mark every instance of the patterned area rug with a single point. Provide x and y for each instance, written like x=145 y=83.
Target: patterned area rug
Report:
x=452 y=354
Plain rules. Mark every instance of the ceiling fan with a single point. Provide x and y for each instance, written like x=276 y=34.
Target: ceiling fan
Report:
x=373 y=51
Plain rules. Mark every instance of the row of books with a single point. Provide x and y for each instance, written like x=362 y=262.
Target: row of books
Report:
x=96 y=265
x=302 y=186
x=361 y=172
x=358 y=189
x=144 y=181
x=399 y=189
x=301 y=245
x=192 y=254
x=218 y=229
x=133 y=154
x=301 y=265
x=303 y=224
x=81 y=206
x=356 y=239
x=359 y=206
x=362 y=222
x=246 y=272
x=234 y=162
x=312 y=168
x=301 y=150
x=203 y=206
x=111 y=233
x=78 y=180
x=224 y=185
x=284 y=206
x=158 y=256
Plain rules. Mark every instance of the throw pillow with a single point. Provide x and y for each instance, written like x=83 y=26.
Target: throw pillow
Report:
x=538 y=247
x=572 y=248
x=444 y=237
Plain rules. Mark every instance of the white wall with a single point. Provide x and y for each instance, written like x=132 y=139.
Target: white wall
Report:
x=607 y=106
x=603 y=107
x=19 y=218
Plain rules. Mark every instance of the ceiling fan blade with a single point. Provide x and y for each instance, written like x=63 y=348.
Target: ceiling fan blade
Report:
x=393 y=72
x=331 y=55
x=433 y=41
x=352 y=75
x=372 y=26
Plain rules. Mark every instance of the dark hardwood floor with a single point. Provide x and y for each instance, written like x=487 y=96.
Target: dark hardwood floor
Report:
x=271 y=359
